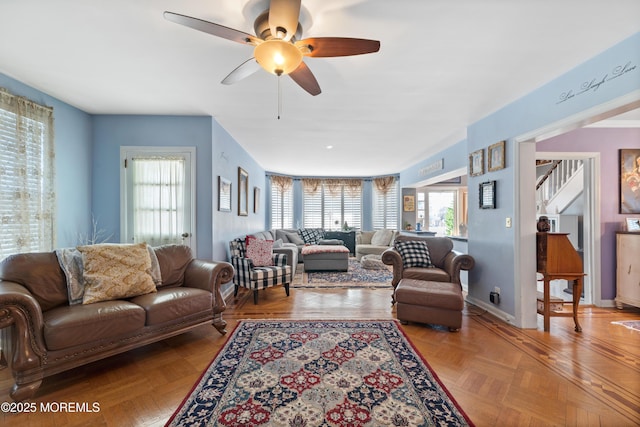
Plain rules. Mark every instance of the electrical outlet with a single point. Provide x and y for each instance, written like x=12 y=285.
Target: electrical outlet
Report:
x=496 y=290
x=494 y=297
x=508 y=223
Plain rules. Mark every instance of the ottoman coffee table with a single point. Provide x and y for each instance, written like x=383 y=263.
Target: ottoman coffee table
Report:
x=325 y=258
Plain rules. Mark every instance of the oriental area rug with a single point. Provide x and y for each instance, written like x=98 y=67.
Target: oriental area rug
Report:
x=318 y=373
x=355 y=277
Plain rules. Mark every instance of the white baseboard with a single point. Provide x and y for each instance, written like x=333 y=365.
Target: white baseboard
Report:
x=506 y=317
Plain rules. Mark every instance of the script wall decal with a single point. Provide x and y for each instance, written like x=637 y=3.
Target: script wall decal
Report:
x=595 y=83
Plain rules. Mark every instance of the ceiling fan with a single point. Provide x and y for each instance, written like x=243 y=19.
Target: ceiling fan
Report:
x=277 y=45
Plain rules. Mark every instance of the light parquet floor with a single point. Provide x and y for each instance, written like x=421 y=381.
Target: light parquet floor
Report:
x=500 y=375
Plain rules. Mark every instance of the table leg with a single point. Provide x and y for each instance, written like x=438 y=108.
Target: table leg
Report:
x=577 y=292
x=546 y=308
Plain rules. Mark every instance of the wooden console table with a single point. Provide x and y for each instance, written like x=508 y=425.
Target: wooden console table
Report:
x=558 y=260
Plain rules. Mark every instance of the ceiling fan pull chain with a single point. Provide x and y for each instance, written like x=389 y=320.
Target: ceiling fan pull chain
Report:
x=279 y=98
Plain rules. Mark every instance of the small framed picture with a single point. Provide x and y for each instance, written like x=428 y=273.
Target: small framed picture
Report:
x=476 y=163
x=633 y=224
x=409 y=203
x=495 y=155
x=487 y=195
x=224 y=194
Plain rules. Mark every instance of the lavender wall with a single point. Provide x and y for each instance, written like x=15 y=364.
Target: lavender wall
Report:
x=607 y=142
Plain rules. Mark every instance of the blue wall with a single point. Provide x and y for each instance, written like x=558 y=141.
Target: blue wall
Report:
x=228 y=155
x=610 y=75
x=572 y=93
x=73 y=149
x=110 y=132
x=88 y=170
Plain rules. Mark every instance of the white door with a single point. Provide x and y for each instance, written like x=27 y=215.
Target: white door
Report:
x=157 y=200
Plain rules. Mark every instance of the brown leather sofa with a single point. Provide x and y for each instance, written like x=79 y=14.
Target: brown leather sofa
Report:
x=447 y=262
x=43 y=335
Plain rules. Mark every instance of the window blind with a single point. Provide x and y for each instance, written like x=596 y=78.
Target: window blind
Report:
x=27 y=200
x=385 y=207
x=281 y=206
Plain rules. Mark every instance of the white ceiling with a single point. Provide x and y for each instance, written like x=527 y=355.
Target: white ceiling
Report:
x=442 y=65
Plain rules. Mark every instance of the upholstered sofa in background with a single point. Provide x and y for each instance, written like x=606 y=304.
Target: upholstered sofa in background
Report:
x=46 y=331
x=374 y=242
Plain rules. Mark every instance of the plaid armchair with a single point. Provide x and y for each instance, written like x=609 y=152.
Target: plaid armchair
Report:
x=255 y=278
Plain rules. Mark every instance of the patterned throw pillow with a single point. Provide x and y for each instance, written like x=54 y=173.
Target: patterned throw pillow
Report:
x=260 y=252
x=70 y=260
x=115 y=271
x=311 y=236
x=414 y=253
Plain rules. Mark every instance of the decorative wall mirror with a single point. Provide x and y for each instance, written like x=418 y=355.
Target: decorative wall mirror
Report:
x=243 y=192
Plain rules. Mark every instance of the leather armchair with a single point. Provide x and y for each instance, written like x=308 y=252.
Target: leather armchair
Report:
x=447 y=262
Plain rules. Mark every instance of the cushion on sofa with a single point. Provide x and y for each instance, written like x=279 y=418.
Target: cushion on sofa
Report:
x=311 y=236
x=294 y=238
x=259 y=251
x=70 y=260
x=114 y=271
x=69 y=326
x=414 y=253
x=173 y=260
x=173 y=303
x=382 y=238
x=40 y=273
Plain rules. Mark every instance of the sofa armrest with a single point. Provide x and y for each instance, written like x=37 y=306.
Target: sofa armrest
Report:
x=292 y=256
x=456 y=261
x=392 y=257
x=210 y=276
x=21 y=311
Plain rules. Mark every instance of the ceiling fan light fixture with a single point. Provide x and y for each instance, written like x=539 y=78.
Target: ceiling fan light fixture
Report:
x=278 y=56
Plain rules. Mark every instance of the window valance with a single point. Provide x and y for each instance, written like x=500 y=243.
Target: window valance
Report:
x=283 y=183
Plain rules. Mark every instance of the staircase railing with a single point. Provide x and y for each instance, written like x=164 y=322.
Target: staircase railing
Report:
x=552 y=182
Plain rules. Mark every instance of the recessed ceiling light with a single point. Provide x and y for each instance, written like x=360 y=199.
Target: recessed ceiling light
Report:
x=329 y=147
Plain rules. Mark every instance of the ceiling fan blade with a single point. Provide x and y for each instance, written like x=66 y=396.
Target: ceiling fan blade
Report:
x=284 y=14
x=242 y=71
x=211 y=28
x=337 y=46
x=305 y=79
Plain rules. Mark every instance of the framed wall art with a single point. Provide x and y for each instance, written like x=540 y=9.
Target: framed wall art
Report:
x=476 y=163
x=409 y=203
x=487 y=195
x=495 y=156
x=629 y=181
x=224 y=194
x=243 y=192
x=633 y=224
x=256 y=199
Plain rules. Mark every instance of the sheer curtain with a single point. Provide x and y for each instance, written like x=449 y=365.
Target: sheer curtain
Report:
x=27 y=200
x=158 y=199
